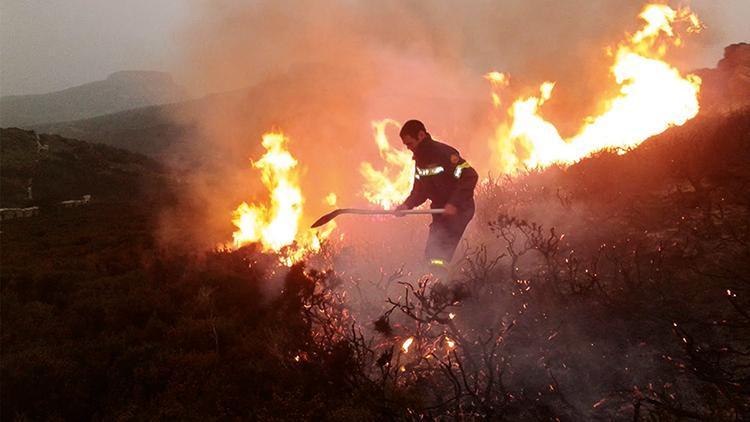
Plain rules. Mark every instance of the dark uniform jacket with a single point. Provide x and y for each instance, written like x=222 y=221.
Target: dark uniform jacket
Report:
x=443 y=177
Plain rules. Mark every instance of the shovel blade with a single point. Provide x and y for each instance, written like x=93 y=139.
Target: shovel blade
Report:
x=325 y=219
x=333 y=214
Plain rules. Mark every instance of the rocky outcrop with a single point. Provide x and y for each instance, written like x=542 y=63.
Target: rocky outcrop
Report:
x=727 y=87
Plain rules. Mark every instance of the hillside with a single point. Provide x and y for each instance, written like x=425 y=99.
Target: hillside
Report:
x=120 y=91
x=145 y=130
x=67 y=169
x=154 y=130
x=614 y=289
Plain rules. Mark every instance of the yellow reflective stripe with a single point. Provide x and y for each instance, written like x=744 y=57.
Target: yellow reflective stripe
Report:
x=438 y=262
x=460 y=168
x=429 y=171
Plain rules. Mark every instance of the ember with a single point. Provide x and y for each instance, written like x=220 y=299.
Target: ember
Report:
x=450 y=343
x=407 y=343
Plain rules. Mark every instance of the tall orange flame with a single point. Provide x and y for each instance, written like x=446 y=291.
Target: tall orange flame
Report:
x=391 y=185
x=653 y=96
x=276 y=226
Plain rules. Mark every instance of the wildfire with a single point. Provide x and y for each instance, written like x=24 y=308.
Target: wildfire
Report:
x=652 y=97
x=276 y=226
x=389 y=186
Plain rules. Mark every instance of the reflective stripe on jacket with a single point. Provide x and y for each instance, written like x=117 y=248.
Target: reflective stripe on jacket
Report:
x=441 y=176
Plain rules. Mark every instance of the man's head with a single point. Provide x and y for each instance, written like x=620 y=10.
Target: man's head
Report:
x=413 y=133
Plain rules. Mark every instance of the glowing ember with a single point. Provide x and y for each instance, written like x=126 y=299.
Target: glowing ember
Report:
x=331 y=199
x=407 y=344
x=653 y=96
x=450 y=343
x=392 y=184
x=276 y=227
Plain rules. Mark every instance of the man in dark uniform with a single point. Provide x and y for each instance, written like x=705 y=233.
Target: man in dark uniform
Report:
x=448 y=181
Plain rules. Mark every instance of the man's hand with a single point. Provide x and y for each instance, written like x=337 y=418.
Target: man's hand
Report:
x=399 y=208
x=450 y=210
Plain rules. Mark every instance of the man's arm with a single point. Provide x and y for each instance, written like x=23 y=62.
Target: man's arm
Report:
x=416 y=197
x=467 y=181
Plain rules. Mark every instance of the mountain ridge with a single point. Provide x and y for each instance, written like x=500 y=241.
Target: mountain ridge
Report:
x=120 y=91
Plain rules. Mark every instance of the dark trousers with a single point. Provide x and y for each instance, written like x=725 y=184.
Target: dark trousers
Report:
x=445 y=233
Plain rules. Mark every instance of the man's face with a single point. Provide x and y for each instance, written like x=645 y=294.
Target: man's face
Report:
x=412 y=142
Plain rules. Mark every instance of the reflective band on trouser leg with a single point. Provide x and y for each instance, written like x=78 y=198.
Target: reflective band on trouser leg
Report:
x=460 y=168
x=438 y=263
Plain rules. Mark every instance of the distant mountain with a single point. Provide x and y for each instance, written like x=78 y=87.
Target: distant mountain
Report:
x=120 y=91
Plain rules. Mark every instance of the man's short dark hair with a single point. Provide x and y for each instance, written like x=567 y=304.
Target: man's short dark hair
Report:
x=412 y=128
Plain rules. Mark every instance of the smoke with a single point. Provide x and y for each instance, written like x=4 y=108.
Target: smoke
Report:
x=322 y=71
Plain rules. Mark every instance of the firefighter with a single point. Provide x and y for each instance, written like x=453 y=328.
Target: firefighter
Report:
x=448 y=181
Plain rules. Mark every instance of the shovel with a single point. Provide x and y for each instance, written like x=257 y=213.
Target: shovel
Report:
x=361 y=211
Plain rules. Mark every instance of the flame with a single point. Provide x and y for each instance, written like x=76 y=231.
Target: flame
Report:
x=276 y=226
x=331 y=199
x=498 y=81
x=407 y=344
x=390 y=186
x=652 y=97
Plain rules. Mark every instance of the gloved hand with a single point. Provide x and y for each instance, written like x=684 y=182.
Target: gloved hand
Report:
x=450 y=210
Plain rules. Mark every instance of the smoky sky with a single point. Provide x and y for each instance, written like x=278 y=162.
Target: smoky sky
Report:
x=48 y=45
x=52 y=45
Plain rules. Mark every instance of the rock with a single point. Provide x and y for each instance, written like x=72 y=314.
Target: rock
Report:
x=727 y=87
